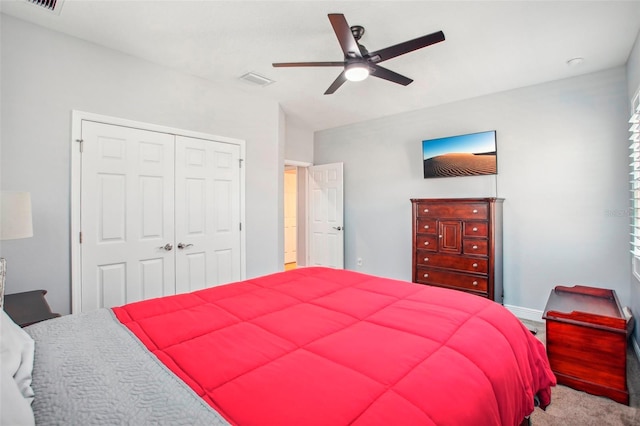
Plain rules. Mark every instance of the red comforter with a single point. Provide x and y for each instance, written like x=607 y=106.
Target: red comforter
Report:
x=334 y=347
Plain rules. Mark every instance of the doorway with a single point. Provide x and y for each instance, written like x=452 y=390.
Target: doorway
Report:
x=313 y=215
x=294 y=214
x=290 y=217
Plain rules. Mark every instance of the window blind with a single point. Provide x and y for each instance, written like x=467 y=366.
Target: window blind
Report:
x=54 y=6
x=49 y=4
x=634 y=167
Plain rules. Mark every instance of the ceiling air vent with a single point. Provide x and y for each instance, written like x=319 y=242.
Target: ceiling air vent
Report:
x=51 y=5
x=257 y=79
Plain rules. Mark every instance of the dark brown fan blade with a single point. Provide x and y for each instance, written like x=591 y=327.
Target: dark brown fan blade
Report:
x=309 y=64
x=380 y=72
x=406 y=47
x=345 y=37
x=336 y=84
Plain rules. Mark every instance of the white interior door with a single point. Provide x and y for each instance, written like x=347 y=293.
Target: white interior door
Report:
x=207 y=209
x=126 y=215
x=290 y=219
x=326 y=215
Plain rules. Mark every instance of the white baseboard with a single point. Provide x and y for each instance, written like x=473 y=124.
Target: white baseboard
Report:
x=525 y=313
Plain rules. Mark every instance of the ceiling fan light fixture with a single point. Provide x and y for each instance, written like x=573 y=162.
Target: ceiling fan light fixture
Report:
x=356 y=71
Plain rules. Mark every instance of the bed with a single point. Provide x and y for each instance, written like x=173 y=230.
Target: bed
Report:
x=303 y=347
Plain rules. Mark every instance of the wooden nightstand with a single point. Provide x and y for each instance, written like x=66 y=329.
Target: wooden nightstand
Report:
x=587 y=332
x=28 y=308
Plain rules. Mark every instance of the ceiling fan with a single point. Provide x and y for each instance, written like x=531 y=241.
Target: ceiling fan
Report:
x=358 y=62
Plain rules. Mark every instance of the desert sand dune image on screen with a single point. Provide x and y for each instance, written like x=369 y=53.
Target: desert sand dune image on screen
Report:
x=460 y=164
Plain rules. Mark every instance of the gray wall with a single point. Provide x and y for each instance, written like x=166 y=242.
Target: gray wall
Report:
x=562 y=168
x=45 y=75
x=633 y=86
x=633 y=69
x=299 y=138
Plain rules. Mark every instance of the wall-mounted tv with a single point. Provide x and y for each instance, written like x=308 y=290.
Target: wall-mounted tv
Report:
x=463 y=155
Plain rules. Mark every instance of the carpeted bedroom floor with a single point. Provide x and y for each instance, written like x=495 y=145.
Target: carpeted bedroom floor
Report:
x=571 y=407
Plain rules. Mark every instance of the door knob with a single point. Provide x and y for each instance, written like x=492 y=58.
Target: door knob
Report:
x=182 y=246
x=339 y=228
x=167 y=247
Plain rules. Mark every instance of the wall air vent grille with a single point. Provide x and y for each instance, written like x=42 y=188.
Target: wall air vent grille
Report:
x=51 y=5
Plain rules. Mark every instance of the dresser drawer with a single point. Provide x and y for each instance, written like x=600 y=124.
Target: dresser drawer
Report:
x=477 y=247
x=426 y=226
x=427 y=242
x=460 y=263
x=475 y=229
x=451 y=279
x=453 y=210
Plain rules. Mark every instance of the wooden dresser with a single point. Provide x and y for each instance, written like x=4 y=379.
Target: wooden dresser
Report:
x=457 y=243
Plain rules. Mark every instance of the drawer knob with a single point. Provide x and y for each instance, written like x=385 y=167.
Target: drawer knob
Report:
x=426 y=275
x=426 y=259
x=475 y=247
x=475 y=283
x=426 y=243
x=475 y=265
x=475 y=229
x=475 y=210
x=426 y=227
x=426 y=210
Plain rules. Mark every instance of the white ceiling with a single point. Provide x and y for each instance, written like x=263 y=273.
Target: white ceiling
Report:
x=490 y=46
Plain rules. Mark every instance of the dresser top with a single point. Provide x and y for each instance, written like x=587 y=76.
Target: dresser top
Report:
x=458 y=200
x=586 y=305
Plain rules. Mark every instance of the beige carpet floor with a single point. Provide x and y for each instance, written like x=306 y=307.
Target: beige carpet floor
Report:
x=572 y=407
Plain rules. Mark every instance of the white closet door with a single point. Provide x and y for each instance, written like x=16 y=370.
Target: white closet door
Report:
x=207 y=213
x=127 y=215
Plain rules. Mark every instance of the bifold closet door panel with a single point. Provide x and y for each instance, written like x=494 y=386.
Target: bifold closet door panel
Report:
x=207 y=213
x=127 y=215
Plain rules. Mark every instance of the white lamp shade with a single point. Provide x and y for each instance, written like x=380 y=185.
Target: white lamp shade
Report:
x=15 y=215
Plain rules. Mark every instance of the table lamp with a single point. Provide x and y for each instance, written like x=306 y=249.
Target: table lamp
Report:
x=15 y=223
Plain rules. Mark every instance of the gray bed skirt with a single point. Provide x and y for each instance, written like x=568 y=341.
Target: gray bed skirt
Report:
x=90 y=370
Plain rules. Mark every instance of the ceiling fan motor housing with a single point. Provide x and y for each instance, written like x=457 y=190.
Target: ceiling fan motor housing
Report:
x=357 y=31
